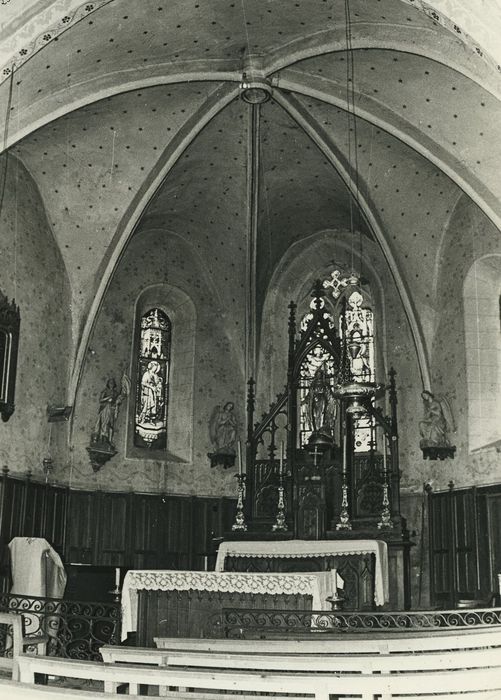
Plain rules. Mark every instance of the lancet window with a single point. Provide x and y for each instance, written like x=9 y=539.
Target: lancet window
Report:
x=347 y=307
x=152 y=383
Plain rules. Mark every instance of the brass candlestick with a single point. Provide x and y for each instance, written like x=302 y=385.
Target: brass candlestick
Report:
x=344 y=515
x=386 y=522
x=240 y=523
x=279 y=525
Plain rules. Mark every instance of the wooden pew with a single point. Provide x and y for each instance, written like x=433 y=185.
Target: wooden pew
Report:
x=375 y=643
x=346 y=643
x=330 y=663
x=22 y=691
x=420 y=675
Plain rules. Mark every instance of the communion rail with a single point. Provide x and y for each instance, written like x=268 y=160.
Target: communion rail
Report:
x=62 y=628
x=242 y=623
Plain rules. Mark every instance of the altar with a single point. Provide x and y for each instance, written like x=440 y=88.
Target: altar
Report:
x=189 y=603
x=318 y=486
x=365 y=555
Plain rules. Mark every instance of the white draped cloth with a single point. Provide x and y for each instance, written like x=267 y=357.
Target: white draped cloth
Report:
x=317 y=585
x=314 y=548
x=37 y=570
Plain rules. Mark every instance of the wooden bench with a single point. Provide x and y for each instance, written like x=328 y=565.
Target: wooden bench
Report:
x=414 y=676
x=346 y=643
x=16 y=622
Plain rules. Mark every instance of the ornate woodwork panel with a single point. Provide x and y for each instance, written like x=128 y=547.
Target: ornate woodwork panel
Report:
x=144 y=531
x=196 y=614
x=14 y=513
x=55 y=517
x=493 y=512
x=113 y=531
x=82 y=526
x=357 y=572
x=465 y=544
x=34 y=511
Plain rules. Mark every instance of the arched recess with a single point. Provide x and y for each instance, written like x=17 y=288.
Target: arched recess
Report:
x=180 y=309
x=215 y=103
x=314 y=131
x=482 y=324
x=305 y=261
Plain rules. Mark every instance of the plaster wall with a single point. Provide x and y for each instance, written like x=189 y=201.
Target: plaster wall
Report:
x=32 y=272
x=469 y=237
x=206 y=371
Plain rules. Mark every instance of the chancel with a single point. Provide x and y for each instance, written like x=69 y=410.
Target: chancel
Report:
x=250 y=348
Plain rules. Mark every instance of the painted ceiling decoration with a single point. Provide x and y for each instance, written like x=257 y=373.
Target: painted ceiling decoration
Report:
x=128 y=118
x=26 y=35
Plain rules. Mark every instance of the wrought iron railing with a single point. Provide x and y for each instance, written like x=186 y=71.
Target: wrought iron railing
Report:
x=68 y=628
x=6 y=641
x=243 y=622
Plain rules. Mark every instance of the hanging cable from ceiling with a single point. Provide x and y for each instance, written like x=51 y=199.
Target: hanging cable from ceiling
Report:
x=352 y=137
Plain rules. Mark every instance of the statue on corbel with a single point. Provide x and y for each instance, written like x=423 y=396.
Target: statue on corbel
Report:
x=102 y=447
x=435 y=427
x=223 y=431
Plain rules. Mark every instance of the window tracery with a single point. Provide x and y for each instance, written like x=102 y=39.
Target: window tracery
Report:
x=349 y=308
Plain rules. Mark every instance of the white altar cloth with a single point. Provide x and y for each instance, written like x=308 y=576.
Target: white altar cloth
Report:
x=314 y=548
x=318 y=585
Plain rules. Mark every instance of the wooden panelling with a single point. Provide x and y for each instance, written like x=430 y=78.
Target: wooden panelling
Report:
x=113 y=540
x=145 y=531
x=82 y=524
x=132 y=531
x=465 y=544
x=55 y=517
x=493 y=502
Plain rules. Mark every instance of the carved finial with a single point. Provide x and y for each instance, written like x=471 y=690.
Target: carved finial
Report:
x=451 y=485
x=318 y=293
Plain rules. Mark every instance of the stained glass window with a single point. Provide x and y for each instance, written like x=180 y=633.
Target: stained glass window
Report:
x=152 y=385
x=359 y=328
x=318 y=370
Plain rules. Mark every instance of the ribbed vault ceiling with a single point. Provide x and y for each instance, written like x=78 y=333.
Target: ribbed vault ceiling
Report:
x=131 y=121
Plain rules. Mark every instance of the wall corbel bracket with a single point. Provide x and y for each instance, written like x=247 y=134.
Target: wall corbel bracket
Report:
x=434 y=452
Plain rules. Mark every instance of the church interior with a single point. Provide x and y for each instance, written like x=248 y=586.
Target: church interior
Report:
x=250 y=333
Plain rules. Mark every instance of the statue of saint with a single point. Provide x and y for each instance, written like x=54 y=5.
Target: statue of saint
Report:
x=321 y=403
x=437 y=421
x=223 y=428
x=109 y=403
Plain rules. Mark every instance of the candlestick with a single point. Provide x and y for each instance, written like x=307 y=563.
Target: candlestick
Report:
x=240 y=523
x=117 y=577
x=344 y=452
x=239 y=458
x=334 y=582
x=386 y=522
x=344 y=522
x=280 y=524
